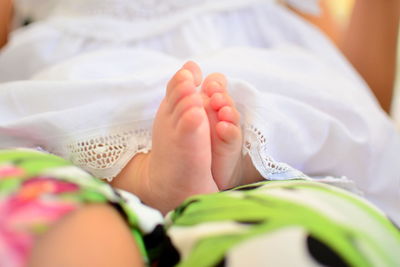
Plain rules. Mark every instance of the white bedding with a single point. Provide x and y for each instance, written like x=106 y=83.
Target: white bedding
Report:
x=94 y=93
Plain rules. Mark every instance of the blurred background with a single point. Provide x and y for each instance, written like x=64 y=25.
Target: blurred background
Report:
x=341 y=10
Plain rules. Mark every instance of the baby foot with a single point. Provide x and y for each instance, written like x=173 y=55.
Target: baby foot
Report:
x=179 y=164
x=226 y=134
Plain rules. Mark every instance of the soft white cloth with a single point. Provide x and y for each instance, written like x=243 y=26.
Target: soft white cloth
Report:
x=99 y=74
x=181 y=28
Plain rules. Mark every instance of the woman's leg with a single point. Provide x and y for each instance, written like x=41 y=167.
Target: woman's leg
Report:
x=369 y=42
x=325 y=22
x=5 y=20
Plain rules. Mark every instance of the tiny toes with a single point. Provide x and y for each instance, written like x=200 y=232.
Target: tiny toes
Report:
x=191 y=119
x=212 y=88
x=195 y=70
x=218 y=100
x=227 y=132
x=181 y=91
x=228 y=114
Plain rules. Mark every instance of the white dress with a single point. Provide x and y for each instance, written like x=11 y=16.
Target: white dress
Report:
x=85 y=79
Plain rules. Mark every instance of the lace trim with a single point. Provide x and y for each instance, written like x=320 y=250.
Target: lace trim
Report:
x=106 y=155
x=255 y=145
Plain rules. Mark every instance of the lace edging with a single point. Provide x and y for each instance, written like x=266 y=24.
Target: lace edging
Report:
x=255 y=145
x=105 y=155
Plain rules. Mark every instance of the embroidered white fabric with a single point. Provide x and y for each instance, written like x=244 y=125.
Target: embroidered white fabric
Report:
x=255 y=144
x=106 y=155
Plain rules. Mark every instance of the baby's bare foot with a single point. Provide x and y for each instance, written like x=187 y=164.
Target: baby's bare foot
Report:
x=179 y=164
x=226 y=134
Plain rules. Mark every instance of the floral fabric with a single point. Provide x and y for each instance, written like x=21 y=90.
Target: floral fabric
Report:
x=38 y=189
x=271 y=223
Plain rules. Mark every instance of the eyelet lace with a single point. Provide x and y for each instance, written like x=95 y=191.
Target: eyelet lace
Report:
x=105 y=155
x=255 y=144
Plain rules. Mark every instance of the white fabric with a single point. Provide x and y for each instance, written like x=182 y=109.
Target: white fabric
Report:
x=67 y=28
x=89 y=84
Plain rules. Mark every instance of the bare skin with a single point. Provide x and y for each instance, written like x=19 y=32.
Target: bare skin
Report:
x=369 y=42
x=77 y=241
x=206 y=123
x=196 y=144
x=226 y=134
x=5 y=20
x=179 y=164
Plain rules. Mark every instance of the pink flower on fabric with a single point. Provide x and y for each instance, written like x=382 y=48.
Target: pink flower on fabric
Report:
x=36 y=187
x=10 y=171
x=30 y=211
x=18 y=223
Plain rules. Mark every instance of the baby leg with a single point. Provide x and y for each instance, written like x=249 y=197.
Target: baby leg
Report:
x=179 y=164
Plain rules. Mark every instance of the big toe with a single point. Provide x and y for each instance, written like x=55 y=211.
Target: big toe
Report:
x=195 y=70
x=180 y=87
x=191 y=119
x=181 y=76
